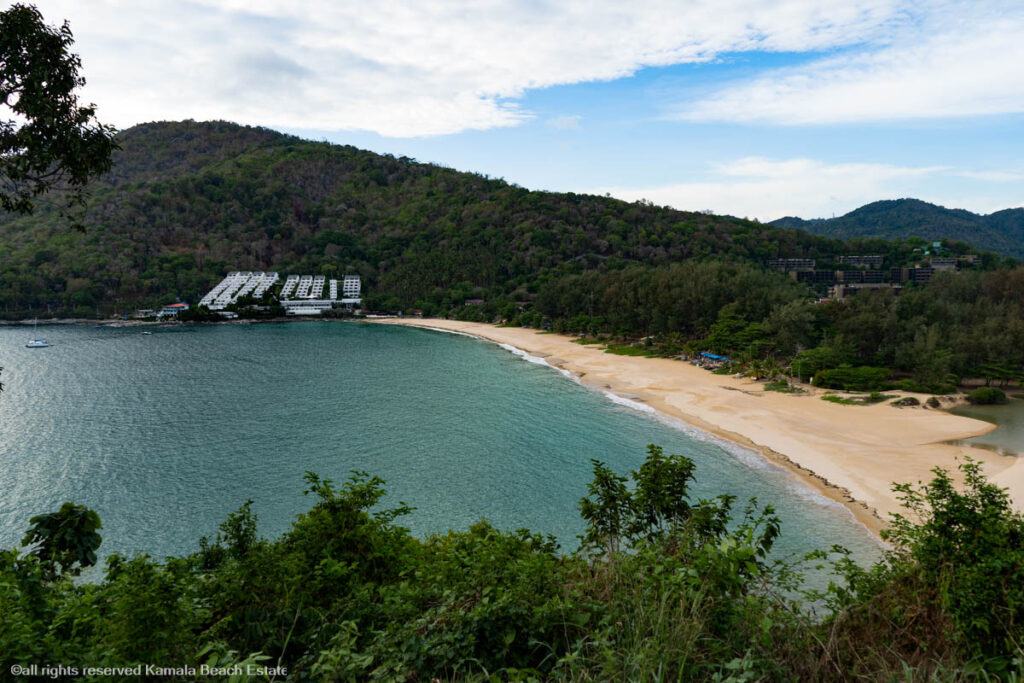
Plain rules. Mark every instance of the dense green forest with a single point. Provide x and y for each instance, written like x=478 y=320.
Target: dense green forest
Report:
x=185 y=202
x=896 y=219
x=927 y=338
x=662 y=588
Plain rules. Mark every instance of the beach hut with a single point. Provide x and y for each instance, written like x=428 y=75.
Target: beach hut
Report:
x=713 y=361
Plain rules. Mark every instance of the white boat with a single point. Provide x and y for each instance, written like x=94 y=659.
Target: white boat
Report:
x=38 y=342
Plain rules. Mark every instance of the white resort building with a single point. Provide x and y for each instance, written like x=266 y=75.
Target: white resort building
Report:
x=235 y=286
x=299 y=295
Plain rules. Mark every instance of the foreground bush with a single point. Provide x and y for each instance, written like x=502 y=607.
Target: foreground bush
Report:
x=662 y=588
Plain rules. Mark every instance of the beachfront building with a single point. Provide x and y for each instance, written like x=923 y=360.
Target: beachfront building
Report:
x=289 y=286
x=307 y=306
x=235 y=285
x=305 y=295
x=299 y=295
x=172 y=310
x=305 y=284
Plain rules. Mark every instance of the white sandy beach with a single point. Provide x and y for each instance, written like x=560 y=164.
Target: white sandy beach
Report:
x=849 y=453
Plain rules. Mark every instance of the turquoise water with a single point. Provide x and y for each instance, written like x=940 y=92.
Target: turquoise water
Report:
x=165 y=434
x=1008 y=437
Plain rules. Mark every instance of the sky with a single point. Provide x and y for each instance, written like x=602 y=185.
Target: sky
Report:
x=752 y=108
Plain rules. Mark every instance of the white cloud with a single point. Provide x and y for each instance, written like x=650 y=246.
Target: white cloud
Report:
x=413 y=69
x=565 y=122
x=999 y=176
x=767 y=189
x=960 y=59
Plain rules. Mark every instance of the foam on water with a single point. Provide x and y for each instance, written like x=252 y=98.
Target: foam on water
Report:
x=514 y=350
x=536 y=360
x=441 y=329
x=745 y=456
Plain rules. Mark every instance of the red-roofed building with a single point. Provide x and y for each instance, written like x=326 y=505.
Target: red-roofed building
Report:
x=172 y=310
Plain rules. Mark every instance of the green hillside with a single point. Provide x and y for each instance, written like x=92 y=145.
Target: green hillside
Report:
x=185 y=202
x=1001 y=232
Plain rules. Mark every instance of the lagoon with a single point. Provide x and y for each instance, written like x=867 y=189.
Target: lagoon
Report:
x=1008 y=437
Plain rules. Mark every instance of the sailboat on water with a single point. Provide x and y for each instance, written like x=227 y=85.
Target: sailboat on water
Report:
x=36 y=342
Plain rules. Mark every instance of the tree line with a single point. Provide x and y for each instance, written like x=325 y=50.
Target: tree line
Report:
x=959 y=325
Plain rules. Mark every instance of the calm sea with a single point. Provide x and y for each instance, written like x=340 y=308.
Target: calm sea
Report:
x=164 y=434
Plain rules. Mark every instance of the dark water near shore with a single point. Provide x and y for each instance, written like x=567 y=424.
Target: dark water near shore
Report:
x=1008 y=437
x=165 y=434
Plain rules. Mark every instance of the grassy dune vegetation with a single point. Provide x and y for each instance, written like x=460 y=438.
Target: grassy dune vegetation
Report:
x=662 y=588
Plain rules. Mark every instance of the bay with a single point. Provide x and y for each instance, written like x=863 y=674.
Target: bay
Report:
x=166 y=433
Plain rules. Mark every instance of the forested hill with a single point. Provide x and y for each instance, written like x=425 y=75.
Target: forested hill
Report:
x=1001 y=232
x=185 y=202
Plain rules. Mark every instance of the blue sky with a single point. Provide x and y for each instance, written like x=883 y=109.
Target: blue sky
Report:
x=751 y=108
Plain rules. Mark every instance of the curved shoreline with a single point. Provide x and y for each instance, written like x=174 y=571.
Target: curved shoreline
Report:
x=848 y=457
x=847 y=454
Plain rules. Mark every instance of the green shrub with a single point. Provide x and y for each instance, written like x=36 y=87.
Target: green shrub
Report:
x=911 y=385
x=952 y=587
x=65 y=541
x=987 y=396
x=629 y=350
x=812 y=361
x=783 y=387
x=663 y=587
x=870 y=399
x=849 y=378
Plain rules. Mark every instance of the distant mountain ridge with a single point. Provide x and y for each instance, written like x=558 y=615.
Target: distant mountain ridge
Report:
x=894 y=219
